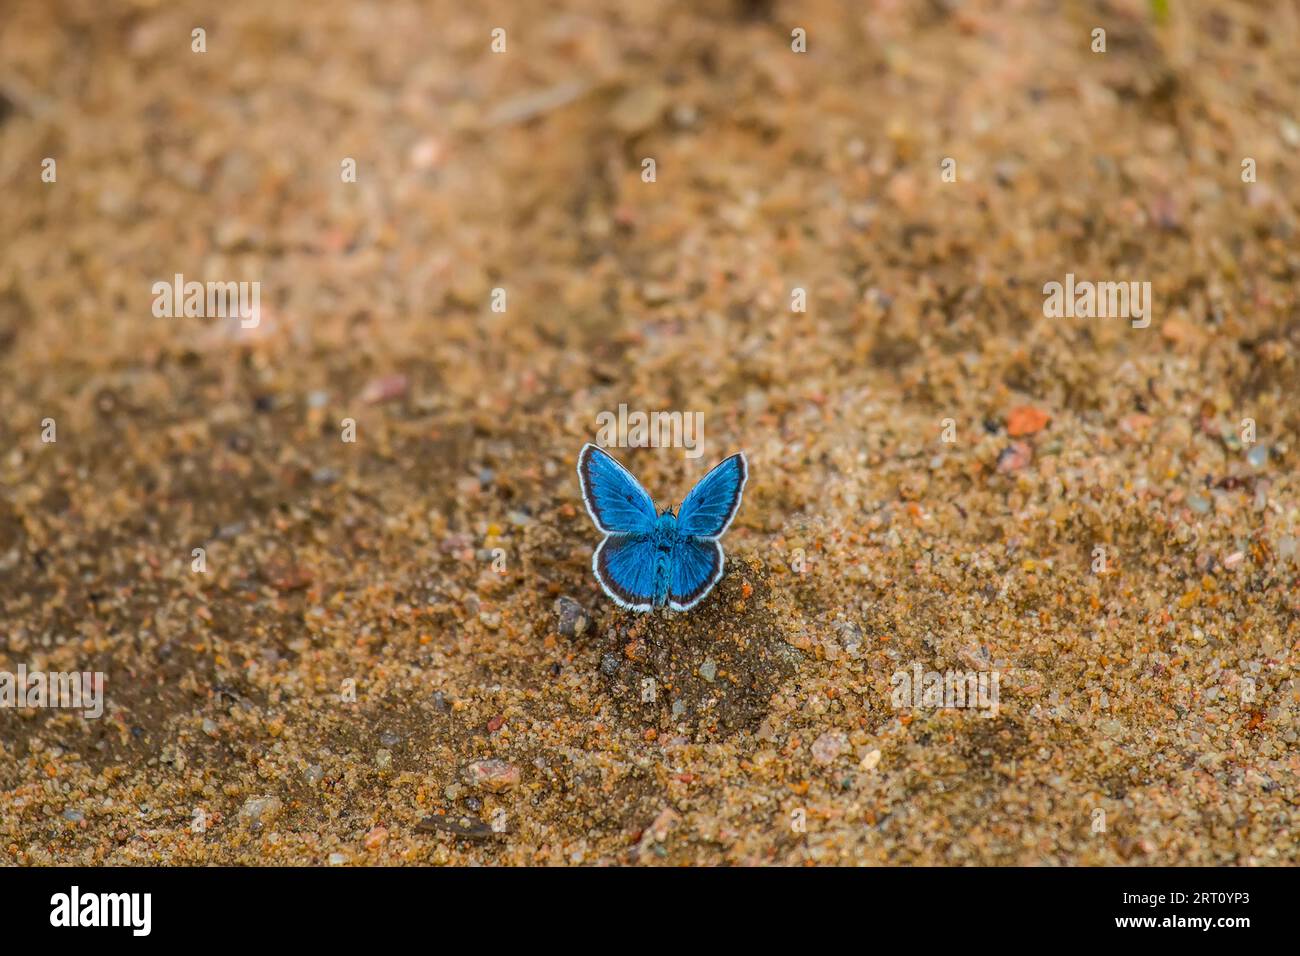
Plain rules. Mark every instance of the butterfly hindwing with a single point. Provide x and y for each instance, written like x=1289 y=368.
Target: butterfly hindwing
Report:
x=712 y=503
x=615 y=500
x=625 y=567
x=696 y=567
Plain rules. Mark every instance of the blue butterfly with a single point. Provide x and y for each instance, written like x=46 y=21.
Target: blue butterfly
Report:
x=650 y=560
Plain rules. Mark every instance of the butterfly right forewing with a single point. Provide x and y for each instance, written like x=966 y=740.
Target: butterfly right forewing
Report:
x=709 y=507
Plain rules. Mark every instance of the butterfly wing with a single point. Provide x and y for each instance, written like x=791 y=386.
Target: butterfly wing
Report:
x=615 y=500
x=625 y=567
x=712 y=503
x=696 y=567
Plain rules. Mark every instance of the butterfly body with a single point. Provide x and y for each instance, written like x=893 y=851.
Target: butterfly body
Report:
x=664 y=544
x=653 y=560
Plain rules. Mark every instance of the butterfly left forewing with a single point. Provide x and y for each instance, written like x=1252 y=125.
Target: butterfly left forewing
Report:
x=614 y=498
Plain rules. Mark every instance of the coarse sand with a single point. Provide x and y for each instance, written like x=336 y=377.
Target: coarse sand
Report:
x=392 y=649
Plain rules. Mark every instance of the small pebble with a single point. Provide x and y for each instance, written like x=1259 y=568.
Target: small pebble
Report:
x=1015 y=457
x=572 y=617
x=1026 y=420
x=638 y=108
x=384 y=389
x=258 y=811
x=828 y=746
x=494 y=776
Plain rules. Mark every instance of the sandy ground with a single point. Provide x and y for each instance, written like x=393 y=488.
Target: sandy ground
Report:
x=374 y=669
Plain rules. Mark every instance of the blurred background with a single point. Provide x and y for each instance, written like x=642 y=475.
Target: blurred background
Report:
x=775 y=170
